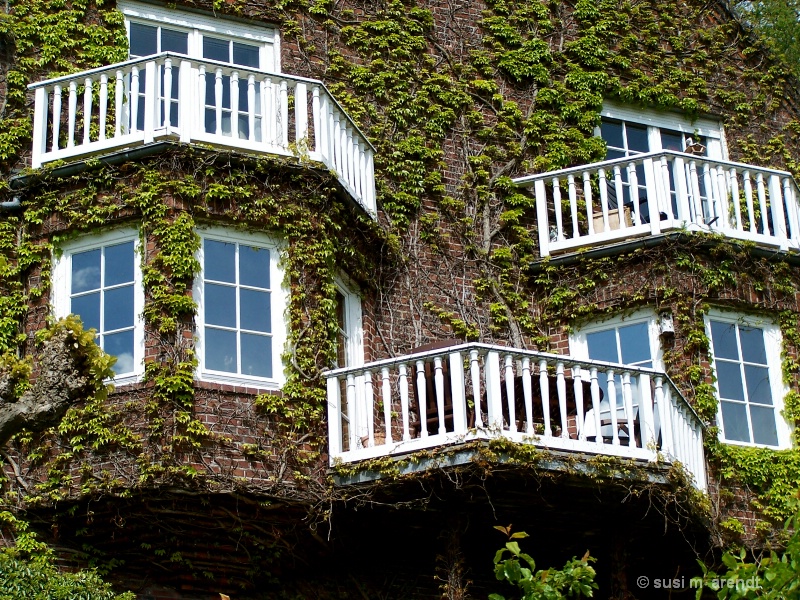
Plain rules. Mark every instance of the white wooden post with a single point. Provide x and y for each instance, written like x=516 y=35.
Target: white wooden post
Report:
x=510 y=399
x=664 y=415
x=149 y=101
x=603 y=185
x=251 y=108
x=541 y=217
x=72 y=113
x=438 y=379
x=557 y=205
x=317 y=121
x=587 y=198
x=190 y=108
x=573 y=205
x=762 y=203
x=369 y=408
x=233 y=82
x=611 y=386
x=352 y=417
x=682 y=191
x=627 y=399
x=748 y=197
x=120 y=122
x=322 y=131
x=284 y=119
x=39 y=127
x=647 y=421
x=103 y=106
x=422 y=400
x=475 y=373
x=403 y=382
x=301 y=115
x=776 y=204
x=167 y=93
x=544 y=387
x=577 y=381
x=527 y=390
x=595 y=389
x=334 y=418
x=561 y=387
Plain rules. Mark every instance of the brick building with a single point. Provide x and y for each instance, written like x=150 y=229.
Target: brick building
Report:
x=379 y=277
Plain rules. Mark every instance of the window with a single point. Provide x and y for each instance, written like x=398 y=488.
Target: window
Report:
x=628 y=132
x=746 y=360
x=152 y=30
x=98 y=278
x=630 y=339
x=349 y=335
x=240 y=322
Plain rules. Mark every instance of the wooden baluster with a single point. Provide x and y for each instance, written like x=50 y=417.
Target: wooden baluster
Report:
x=135 y=125
x=56 y=115
x=510 y=399
x=233 y=84
x=494 y=400
x=682 y=186
x=611 y=386
x=697 y=200
x=710 y=197
x=323 y=129
x=369 y=408
x=594 y=386
x=544 y=386
x=284 y=121
x=345 y=172
x=103 y=105
x=72 y=113
x=561 y=388
x=337 y=143
x=475 y=373
x=167 y=92
x=527 y=391
x=587 y=197
x=438 y=379
x=458 y=393
x=603 y=185
x=577 y=381
x=762 y=203
x=218 y=100
x=573 y=205
x=663 y=413
x=619 y=189
x=251 y=108
x=268 y=120
x=121 y=124
x=150 y=100
x=557 y=204
x=542 y=217
x=422 y=399
x=748 y=198
x=386 y=395
x=403 y=381
x=87 y=110
x=316 y=119
x=733 y=178
x=627 y=399
x=633 y=193
x=791 y=208
x=647 y=421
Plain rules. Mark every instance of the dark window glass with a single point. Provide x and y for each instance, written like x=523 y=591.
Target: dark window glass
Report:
x=254 y=266
x=723 y=337
x=85 y=274
x=734 y=422
x=220 y=305
x=119 y=264
x=219 y=261
x=245 y=55
x=256 y=355
x=216 y=49
x=220 y=350
x=603 y=345
x=174 y=41
x=144 y=40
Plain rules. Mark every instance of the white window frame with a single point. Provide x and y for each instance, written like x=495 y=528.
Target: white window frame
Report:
x=773 y=344
x=60 y=298
x=197 y=25
x=579 y=346
x=709 y=128
x=354 y=327
x=279 y=299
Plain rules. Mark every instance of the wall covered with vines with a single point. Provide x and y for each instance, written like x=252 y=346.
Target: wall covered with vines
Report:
x=458 y=96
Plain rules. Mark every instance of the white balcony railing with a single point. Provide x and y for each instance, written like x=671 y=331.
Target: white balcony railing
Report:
x=478 y=391
x=648 y=194
x=209 y=102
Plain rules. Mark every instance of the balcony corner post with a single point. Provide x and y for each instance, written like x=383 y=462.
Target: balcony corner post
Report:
x=334 y=419
x=149 y=101
x=39 y=127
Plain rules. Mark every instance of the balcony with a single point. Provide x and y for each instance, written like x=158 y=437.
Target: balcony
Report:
x=173 y=97
x=470 y=392
x=654 y=193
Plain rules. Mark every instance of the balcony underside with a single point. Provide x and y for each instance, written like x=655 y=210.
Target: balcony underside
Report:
x=449 y=400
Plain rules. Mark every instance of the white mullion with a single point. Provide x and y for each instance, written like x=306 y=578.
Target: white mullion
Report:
x=238 y=311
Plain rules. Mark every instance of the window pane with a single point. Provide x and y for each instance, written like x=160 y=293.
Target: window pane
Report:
x=634 y=342
x=144 y=40
x=85 y=271
x=723 y=337
x=174 y=41
x=254 y=266
x=729 y=378
x=753 y=349
x=118 y=308
x=216 y=49
x=254 y=308
x=764 y=429
x=87 y=307
x=256 y=355
x=120 y=345
x=734 y=422
x=245 y=54
x=119 y=264
x=220 y=305
x=219 y=260
x=758 y=388
x=611 y=132
x=220 y=350
x=603 y=345
x=637 y=138
x=671 y=140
